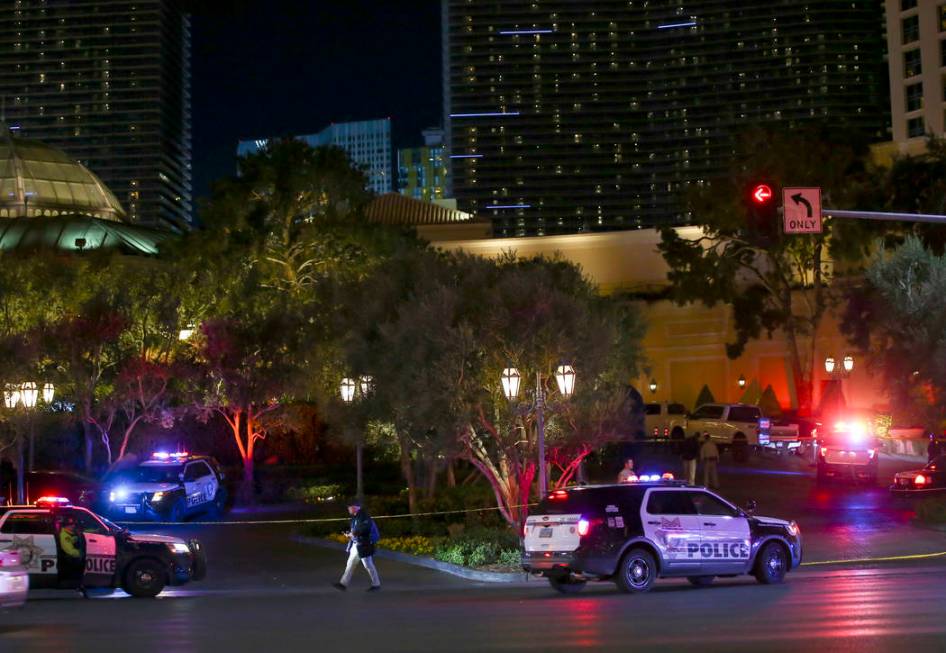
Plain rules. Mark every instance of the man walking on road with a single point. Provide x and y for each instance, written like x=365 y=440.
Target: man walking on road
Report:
x=362 y=537
x=709 y=456
x=689 y=452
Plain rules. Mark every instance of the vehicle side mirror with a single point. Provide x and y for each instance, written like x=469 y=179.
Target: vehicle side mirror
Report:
x=751 y=505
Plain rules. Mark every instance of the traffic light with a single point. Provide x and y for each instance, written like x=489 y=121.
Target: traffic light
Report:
x=762 y=211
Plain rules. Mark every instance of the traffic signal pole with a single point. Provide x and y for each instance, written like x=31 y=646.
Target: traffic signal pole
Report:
x=886 y=217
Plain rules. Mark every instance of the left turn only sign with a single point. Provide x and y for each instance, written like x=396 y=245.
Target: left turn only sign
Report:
x=801 y=209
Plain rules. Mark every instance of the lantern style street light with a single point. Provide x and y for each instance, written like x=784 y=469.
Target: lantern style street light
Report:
x=565 y=378
x=741 y=382
x=27 y=395
x=347 y=390
x=848 y=363
x=653 y=386
x=831 y=365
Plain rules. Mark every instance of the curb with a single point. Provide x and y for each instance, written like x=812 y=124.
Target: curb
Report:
x=420 y=561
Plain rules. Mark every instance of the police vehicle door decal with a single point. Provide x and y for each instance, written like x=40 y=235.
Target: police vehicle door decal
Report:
x=99 y=559
x=726 y=536
x=37 y=550
x=670 y=521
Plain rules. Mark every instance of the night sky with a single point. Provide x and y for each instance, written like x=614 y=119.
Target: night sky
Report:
x=274 y=67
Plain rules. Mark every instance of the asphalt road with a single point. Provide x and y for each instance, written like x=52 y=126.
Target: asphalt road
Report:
x=265 y=592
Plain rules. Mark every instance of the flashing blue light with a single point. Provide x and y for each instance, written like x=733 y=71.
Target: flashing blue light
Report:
x=673 y=25
x=466 y=156
x=518 y=32
x=509 y=206
x=484 y=115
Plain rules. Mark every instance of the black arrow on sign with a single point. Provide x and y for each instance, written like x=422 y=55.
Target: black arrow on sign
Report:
x=800 y=199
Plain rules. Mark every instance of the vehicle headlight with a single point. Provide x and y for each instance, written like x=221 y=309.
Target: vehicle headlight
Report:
x=793 y=529
x=178 y=547
x=157 y=496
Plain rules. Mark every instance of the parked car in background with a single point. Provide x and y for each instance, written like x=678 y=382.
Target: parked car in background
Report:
x=665 y=420
x=731 y=426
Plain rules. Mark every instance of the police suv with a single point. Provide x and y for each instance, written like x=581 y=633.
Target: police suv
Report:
x=111 y=556
x=633 y=533
x=167 y=487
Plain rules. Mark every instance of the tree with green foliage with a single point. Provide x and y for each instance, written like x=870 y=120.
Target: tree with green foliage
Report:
x=898 y=316
x=773 y=282
x=445 y=326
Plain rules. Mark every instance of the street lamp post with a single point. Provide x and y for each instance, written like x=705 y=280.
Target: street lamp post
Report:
x=348 y=390
x=565 y=378
x=11 y=397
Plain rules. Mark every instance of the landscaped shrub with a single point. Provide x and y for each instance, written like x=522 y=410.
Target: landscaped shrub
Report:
x=316 y=493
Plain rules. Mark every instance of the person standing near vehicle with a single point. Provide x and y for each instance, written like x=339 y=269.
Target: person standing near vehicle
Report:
x=933 y=449
x=362 y=537
x=627 y=471
x=689 y=452
x=71 y=568
x=709 y=456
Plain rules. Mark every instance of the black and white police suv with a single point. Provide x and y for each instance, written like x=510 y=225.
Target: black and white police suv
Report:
x=166 y=487
x=111 y=556
x=633 y=533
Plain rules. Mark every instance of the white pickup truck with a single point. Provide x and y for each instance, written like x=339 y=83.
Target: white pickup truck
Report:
x=665 y=420
x=728 y=425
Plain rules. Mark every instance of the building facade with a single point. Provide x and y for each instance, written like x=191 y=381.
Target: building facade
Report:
x=422 y=171
x=567 y=117
x=916 y=43
x=107 y=81
x=368 y=143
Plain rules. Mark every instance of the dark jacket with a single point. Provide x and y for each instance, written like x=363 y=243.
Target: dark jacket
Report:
x=691 y=448
x=361 y=532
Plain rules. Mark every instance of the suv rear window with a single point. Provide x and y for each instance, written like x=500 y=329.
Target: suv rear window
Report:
x=708 y=412
x=592 y=500
x=676 y=409
x=744 y=414
x=652 y=409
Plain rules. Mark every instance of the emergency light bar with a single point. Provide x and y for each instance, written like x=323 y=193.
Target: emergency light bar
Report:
x=164 y=455
x=649 y=478
x=53 y=501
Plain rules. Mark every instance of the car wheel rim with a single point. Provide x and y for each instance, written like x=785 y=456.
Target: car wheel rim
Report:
x=775 y=563
x=638 y=572
x=145 y=578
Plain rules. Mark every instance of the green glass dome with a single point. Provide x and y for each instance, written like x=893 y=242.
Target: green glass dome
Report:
x=40 y=181
x=78 y=233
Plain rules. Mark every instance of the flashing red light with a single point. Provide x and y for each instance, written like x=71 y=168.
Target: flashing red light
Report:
x=824 y=451
x=583 y=527
x=667 y=477
x=919 y=480
x=558 y=495
x=52 y=501
x=762 y=194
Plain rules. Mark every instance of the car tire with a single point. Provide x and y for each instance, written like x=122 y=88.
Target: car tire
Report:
x=771 y=564
x=637 y=571
x=144 y=579
x=566 y=583
x=701 y=581
x=178 y=510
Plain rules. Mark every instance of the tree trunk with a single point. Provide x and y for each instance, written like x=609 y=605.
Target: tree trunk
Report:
x=408 y=470
x=432 y=479
x=359 y=471
x=88 y=439
x=802 y=381
x=451 y=474
x=20 y=472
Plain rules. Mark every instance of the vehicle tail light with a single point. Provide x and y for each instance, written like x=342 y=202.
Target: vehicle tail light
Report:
x=656 y=431
x=666 y=432
x=584 y=526
x=525 y=529
x=919 y=480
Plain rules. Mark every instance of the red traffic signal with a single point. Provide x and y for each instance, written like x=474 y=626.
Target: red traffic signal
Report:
x=762 y=194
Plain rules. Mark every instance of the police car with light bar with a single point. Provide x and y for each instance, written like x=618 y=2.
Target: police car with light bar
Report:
x=167 y=487
x=110 y=556
x=847 y=447
x=653 y=527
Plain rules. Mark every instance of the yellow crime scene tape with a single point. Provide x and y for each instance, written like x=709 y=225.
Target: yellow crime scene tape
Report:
x=319 y=520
